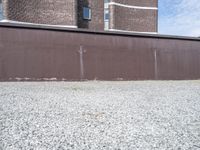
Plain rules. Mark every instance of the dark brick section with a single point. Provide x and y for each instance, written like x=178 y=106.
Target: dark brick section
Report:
x=60 y=12
x=97 y=18
x=131 y=19
x=145 y=3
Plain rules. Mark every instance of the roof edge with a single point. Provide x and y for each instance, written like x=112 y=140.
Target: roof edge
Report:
x=78 y=30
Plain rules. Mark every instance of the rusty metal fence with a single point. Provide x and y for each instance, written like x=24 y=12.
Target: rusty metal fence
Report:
x=36 y=53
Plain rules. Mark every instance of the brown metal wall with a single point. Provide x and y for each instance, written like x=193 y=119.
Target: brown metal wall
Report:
x=35 y=54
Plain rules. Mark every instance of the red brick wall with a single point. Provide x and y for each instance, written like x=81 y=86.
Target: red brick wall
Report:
x=131 y=19
x=59 y=12
x=70 y=12
x=97 y=14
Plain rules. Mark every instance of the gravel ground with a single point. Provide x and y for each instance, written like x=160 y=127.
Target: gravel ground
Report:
x=140 y=115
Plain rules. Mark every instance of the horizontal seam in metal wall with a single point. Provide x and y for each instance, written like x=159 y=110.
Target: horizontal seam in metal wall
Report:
x=131 y=6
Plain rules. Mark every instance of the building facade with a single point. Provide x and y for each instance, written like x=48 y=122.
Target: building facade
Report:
x=133 y=15
x=95 y=9
x=62 y=12
x=114 y=15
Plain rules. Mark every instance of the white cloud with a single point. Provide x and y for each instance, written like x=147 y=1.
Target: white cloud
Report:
x=184 y=19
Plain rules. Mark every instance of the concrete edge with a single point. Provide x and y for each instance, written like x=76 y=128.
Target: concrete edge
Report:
x=111 y=33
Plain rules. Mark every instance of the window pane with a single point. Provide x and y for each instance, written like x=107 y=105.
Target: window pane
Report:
x=107 y=16
x=106 y=1
x=86 y=13
x=106 y=25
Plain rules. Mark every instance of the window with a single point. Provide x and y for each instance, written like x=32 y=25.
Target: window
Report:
x=106 y=25
x=106 y=15
x=106 y=3
x=87 y=13
x=1 y=10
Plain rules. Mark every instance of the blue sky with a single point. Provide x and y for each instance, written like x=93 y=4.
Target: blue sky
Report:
x=179 y=17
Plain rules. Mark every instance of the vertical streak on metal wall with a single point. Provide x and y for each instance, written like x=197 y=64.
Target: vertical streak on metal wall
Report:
x=81 y=63
x=155 y=64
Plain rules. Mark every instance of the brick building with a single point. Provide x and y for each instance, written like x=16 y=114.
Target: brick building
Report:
x=133 y=15
x=62 y=12
x=114 y=15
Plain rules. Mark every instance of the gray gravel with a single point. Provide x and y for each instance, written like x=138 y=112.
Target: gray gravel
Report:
x=100 y=115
